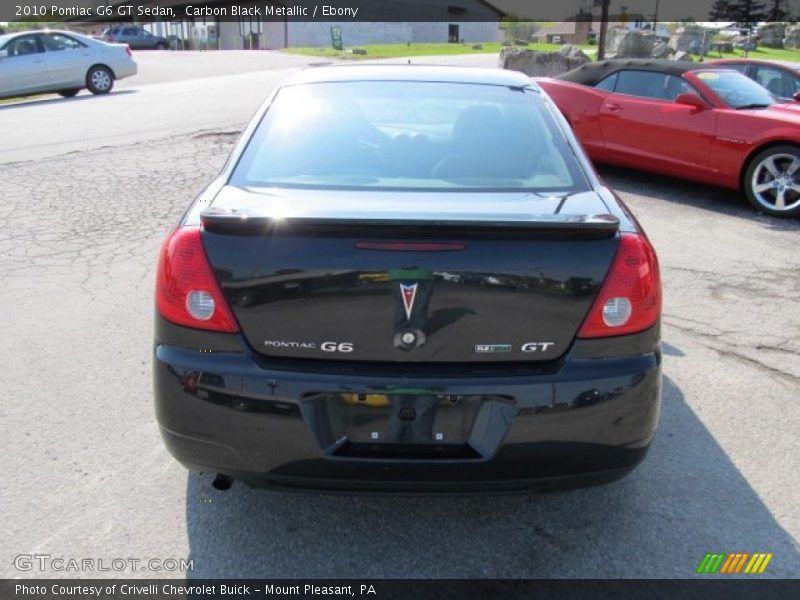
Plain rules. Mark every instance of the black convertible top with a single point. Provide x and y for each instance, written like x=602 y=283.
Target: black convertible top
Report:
x=594 y=72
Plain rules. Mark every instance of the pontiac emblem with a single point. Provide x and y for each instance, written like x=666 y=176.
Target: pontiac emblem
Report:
x=409 y=292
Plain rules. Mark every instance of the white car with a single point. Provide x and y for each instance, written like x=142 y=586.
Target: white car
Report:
x=33 y=62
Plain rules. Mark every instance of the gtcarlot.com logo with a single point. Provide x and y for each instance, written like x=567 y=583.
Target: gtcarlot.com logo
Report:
x=734 y=562
x=47 y=562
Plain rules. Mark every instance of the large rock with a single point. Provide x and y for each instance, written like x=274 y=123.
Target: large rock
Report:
x=792 y=41
x=682 y=56
x=748 y=43
x=573 y=53
x=722 y=47
x=771 y=35
x=535 y=63
x=662 y=50
x=692 y=39
x=622 y=42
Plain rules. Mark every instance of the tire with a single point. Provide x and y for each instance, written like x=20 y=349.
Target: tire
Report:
x=99 y=80
x=772 y=181
x=161 y=46
x=69 y=93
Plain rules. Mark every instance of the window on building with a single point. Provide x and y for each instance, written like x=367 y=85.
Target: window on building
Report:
x=453 y=34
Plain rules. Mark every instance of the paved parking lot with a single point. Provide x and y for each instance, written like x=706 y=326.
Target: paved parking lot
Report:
x=87 y=475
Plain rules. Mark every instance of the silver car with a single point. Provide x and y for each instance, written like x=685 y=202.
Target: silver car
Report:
x=65 y=62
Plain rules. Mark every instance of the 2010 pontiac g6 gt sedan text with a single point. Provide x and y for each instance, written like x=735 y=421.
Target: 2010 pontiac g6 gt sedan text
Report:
x=408 y=278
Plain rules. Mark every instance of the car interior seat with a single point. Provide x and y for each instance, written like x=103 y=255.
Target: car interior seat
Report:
x=25 y=47
x=485 y=145
x=775 y=86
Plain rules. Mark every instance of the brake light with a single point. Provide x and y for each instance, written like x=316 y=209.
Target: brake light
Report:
x=630 y=298
x=128 y=50
x=412 y=246
x=187 y=293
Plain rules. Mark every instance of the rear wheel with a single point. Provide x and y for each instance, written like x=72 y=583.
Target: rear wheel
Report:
x=99 y=79
x=69 y=93
x=161 y=46
x=772 y=181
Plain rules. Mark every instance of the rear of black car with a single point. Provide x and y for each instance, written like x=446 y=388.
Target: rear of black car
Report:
x=426 y=289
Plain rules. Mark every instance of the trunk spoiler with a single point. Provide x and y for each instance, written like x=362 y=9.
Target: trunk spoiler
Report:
x=241 y=222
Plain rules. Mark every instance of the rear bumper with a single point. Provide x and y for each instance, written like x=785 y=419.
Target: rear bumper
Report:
x=586 y=420
x=124 y=68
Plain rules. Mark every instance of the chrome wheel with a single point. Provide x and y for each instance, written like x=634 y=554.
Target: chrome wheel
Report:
x=775 y=184
x=101 y=80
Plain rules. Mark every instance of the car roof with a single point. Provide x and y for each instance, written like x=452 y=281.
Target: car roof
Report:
x=395 y=72
x=8 y=36
x=594 y=72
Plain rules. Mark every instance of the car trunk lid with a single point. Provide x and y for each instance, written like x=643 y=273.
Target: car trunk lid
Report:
x=409 y=276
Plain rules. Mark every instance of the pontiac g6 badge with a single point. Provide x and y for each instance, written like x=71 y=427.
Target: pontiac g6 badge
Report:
x=409 y=292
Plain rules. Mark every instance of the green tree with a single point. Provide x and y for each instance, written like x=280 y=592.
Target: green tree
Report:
x=721 y=10
x=778 y=11
x=749 y=12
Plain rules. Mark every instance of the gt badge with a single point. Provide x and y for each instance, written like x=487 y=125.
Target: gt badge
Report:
x=409 y=292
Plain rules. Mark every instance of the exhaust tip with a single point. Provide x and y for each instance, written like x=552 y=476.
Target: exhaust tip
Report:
x=222 y=483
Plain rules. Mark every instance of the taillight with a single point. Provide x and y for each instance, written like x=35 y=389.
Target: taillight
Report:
x=630 y=298
x=128 y=50
x=187 y=293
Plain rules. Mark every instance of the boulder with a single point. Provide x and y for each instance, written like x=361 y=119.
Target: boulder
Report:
x=536 y=63
x=792 y=39
x=771 y=35
x=574 y=53
x=628 y=43
x=682 y=56
x=746 y=42
x=721 y=47
x=662 y=50
x=692 y=39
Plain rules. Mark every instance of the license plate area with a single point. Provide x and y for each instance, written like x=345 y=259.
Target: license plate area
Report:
x=409 y=426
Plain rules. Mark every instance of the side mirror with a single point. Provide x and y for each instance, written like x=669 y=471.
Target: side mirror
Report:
x=796 y=95
x=692 y=100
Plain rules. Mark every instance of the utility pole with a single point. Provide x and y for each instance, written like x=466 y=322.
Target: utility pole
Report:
x=601 y=44
x=655 y=17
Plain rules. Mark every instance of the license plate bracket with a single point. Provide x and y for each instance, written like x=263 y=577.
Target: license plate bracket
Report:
x=408 y=425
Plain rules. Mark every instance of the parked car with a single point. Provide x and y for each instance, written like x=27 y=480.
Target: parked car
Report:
x=781 y=78
x=34 y=62
x=688 y=121
x=409 y=171
x=136 y=37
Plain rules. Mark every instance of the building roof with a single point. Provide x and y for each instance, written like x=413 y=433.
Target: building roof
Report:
x=565 y=28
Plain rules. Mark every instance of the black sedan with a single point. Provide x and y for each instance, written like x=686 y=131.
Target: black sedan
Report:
x=408 y=278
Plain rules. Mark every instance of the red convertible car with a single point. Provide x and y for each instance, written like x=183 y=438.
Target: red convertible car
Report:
x=688 y=121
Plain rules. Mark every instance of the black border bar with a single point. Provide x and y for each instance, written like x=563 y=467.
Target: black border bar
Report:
x=398 y=589
x=377 y=10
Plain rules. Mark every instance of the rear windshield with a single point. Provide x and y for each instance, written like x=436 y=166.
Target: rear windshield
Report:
x=408 y=135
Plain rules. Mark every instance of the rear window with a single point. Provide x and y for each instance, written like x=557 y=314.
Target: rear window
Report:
x=408 y=135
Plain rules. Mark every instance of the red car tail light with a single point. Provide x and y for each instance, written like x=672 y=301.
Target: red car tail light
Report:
x=630 y=298
x=187 y=293
x=128 y=50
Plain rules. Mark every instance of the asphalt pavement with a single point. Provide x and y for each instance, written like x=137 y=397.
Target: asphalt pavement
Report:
x=91 y=186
